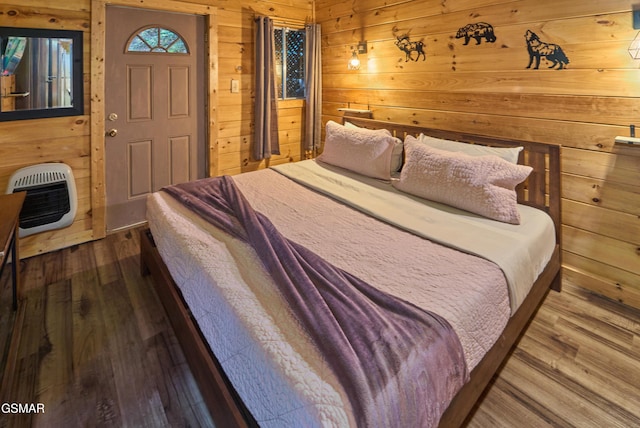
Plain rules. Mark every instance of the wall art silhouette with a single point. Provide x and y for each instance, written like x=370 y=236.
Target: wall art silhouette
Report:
x=477 y=31
x=408 y=47
x=538 y=49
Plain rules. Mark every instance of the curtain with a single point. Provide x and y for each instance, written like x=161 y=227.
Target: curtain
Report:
x=266 y=112
x=313 y=90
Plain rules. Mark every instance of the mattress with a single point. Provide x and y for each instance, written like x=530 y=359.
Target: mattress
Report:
x=264 y=351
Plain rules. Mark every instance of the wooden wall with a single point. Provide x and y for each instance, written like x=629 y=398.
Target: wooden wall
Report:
x=64 y=139
x=236 y=61
x=486 y=88
x=68 y=139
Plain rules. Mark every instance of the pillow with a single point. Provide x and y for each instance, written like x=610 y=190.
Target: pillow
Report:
x=365 y=151
x=398 y=148
x=507 y=153
x=483 y=185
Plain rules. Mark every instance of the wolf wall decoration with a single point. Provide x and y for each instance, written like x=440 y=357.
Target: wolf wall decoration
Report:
x=538 y=49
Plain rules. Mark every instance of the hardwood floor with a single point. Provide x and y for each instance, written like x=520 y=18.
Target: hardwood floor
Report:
x=578 y=365
x=94 y=346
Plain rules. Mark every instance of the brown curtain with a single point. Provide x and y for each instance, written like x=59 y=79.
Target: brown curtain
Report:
x=266 y=112
x=313 y=90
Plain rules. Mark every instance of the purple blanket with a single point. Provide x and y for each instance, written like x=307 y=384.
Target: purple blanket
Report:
x=399 y=365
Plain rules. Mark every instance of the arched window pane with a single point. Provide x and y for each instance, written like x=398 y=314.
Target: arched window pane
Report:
x=138 y=45
x=167 y=37
x=157 y=39
x=177 y=47
x=150 y=36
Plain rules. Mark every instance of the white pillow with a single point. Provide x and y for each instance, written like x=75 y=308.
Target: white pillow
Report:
x=483 y=185
x=365 y=151
x=507 y=153
x=396 y=155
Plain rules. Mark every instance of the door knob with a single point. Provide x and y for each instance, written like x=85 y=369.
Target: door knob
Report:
x=112 y=132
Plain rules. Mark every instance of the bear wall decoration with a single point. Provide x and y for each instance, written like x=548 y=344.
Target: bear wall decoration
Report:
x=477 y=31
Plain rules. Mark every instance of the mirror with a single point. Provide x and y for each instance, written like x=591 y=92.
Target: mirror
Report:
x=40 y=73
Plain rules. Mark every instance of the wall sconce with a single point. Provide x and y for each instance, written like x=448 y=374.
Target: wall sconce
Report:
x=354 y=61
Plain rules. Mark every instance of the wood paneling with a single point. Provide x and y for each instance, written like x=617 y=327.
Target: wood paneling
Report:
x=236 y=62
x=487 y=89
x=7 y=87
x=65 y=139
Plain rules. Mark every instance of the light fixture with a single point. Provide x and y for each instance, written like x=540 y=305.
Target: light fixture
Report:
x=354 y=61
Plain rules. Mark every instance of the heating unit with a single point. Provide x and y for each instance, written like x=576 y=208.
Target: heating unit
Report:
x=51 y=201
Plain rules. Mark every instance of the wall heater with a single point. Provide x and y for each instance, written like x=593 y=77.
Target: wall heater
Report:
x=51 y=201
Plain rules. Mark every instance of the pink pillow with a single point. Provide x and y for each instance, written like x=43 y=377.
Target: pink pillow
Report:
x=365 y=151
x=483 y=185
x=507 y=153
x=398 y=148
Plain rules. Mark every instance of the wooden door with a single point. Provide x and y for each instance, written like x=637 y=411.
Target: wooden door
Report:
x=154 y=106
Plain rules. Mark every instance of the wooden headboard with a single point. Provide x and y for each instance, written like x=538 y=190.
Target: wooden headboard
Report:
x=540 y=190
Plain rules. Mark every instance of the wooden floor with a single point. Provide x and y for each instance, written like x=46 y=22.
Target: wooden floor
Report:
x=94 y=346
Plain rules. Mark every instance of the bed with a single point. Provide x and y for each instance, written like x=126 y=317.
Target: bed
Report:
x=185 y=254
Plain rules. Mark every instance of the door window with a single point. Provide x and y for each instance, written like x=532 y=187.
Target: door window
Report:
x=154 y=39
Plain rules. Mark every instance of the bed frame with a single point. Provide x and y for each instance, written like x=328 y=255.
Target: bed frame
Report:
x=541 y=190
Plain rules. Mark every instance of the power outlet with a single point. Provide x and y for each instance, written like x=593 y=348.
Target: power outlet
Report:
x=235 y=86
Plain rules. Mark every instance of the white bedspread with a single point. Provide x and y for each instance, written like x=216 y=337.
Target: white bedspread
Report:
x=249 y=326
x=522 y=251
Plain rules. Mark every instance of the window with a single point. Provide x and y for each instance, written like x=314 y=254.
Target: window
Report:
x=289 y=45
x=157 y=39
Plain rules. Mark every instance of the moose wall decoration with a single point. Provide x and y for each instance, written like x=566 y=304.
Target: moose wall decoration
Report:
x=409 y=48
